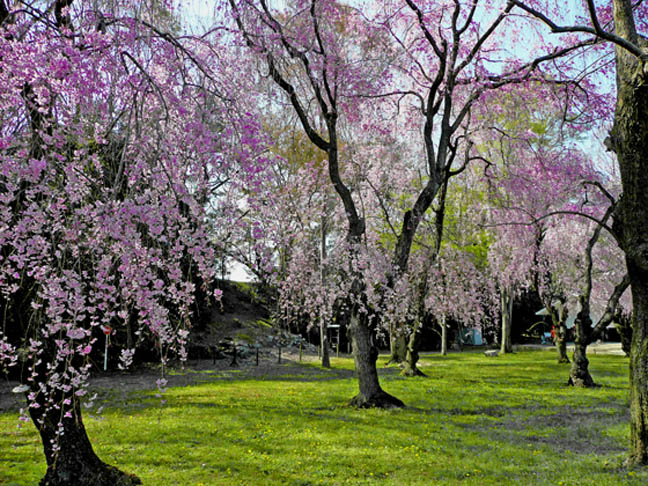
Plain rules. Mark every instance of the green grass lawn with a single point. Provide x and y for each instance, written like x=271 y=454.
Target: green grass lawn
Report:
x=472 y=421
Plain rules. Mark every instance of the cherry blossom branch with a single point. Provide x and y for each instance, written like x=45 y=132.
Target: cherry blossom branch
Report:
x=288 y=88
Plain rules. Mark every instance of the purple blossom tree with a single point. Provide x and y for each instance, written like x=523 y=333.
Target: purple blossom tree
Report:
x=112 y=134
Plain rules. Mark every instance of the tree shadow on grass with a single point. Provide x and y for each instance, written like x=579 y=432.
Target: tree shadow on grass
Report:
x=564 y=429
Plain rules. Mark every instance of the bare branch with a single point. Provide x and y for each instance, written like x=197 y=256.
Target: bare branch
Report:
x=382 y=206
x=428 y=35
x=558 y=29
x=605 y=192
x=610 y=308
x=478 y=45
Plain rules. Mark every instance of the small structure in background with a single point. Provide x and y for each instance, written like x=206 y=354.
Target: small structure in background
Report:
x=334 y=339
x=472 y=336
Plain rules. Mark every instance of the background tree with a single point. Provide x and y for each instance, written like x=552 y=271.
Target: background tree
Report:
x=311 y=39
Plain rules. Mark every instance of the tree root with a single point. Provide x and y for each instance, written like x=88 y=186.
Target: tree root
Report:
x=102 y=475
x=582 y=382
x=380 y=400
x=412 y=371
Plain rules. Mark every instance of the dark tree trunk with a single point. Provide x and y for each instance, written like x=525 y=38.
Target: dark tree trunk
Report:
x=397 y=347
x=639 y=369
x=412 y=356
x=75 y=462
x=623 y=325
x=324 y=342
x=579 y=375
x=629 y=139
x=365 y=355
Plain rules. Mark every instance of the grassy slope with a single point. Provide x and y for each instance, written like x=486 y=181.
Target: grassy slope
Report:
x=473 y=421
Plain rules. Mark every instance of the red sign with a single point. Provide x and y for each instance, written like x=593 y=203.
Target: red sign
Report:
x=107 y=330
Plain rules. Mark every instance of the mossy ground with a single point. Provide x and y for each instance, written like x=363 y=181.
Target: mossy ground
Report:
x=473 y=421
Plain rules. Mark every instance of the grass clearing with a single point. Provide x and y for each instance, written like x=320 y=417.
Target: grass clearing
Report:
x=472 y=421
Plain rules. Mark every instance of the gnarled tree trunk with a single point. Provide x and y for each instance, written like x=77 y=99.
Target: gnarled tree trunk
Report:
x=579 y=375
x=365 y=355
x=397 y=347
x=561 y=342
x=71 y=460
x=412 y=356
x=629 y=139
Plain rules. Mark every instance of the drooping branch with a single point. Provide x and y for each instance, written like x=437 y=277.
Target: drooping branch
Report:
x=561 y=212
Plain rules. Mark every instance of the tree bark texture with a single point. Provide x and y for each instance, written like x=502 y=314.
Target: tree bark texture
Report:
x=412 y=356
x=365 y=355
x=507 y=316
x=397 y=347
x=579 y=375
x=629 y=139
x=74 y=463
x=623 y=325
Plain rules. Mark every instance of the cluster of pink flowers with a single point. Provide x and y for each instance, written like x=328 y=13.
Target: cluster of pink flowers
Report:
x=111 y=137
